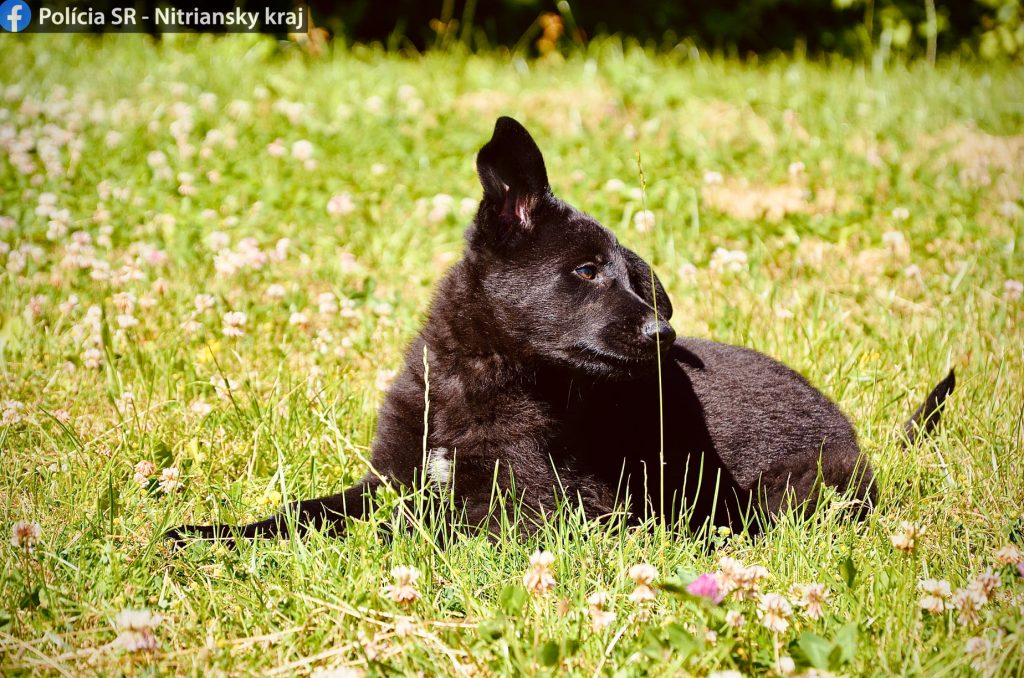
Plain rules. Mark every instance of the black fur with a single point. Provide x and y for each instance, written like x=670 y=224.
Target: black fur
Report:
x=543 y=345
x=926 y=416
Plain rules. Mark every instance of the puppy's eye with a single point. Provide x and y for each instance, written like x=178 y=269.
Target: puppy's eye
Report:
x=586 y=271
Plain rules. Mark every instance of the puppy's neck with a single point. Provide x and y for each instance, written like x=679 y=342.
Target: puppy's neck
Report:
x=469 y=341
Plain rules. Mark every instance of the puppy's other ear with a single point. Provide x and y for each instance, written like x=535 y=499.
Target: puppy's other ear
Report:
x=512 y=173
x=640 y=277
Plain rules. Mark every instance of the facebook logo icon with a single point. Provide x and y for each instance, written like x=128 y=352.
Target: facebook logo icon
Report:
x=15 y=15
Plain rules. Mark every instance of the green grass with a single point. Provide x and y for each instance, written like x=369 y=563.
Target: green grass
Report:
x=872 y=319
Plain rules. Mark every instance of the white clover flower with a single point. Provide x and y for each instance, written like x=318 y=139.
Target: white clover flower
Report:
x=643 y=221
x=126 y=321
x=986 y=582
x=26 y=534
x=813 y=597
x=728 y=261
x=896 y=243
x=201 y=407
x=136 y=630
x=969 y=602
x=403 y=590
x=327 y=303
x=614 y=186
x=687 y=271
x=384 y=379
x=302 y=150
x=218 y=240
x=538 y=578
x=1013 y=289
x=207 y=101
x=977 y=649
x=735 y=619
x=233 y=323
x=775 y=612
x=936 y=594
x=204 y=302
x=642 y=574
x=340 y=205
x=1009 y=555
x=11 y=412
x=906 y=537
x=92 y=358
x=143 y=470
x=600 y=617
x=276 y=148
x=275 y=292
x=169 y=480
x=785 y=665
x=125 y=401
x=223 y=387
x=712 y=177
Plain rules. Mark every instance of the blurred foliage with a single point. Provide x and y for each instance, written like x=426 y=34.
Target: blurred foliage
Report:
x=992 y=28
x=1003 y=34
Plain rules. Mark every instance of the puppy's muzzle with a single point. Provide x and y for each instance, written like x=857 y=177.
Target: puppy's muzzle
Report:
x=659 y=332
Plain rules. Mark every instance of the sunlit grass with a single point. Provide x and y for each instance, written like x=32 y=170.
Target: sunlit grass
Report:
x=863 y=227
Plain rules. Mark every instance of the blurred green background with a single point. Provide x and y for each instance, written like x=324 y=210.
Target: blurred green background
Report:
x=877 y=29
x=991 y=28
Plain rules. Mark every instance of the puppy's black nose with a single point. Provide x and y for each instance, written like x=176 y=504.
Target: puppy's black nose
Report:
x=659 y=331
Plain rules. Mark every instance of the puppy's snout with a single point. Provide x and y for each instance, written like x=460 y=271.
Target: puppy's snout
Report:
x=660 y=332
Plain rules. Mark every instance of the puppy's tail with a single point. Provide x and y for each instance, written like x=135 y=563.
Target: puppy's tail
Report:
x=325 y=513
x=926 y=417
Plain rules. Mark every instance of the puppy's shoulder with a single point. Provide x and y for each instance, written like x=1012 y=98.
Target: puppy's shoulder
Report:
x=705 y=355
x=731 y=374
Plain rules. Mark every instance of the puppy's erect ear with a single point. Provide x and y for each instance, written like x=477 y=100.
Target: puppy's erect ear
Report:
x=640 y=278
x=511 y=170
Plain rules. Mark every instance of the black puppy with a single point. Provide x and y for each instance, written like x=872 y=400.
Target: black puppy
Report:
x=543 y=346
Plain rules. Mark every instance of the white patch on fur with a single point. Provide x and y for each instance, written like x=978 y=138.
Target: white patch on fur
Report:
x=523 y=212
x=439 y=467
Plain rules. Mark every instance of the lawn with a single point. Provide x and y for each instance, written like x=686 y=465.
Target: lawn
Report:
x=213 y=253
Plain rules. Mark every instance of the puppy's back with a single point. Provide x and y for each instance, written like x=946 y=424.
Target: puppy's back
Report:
x=768 y=424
